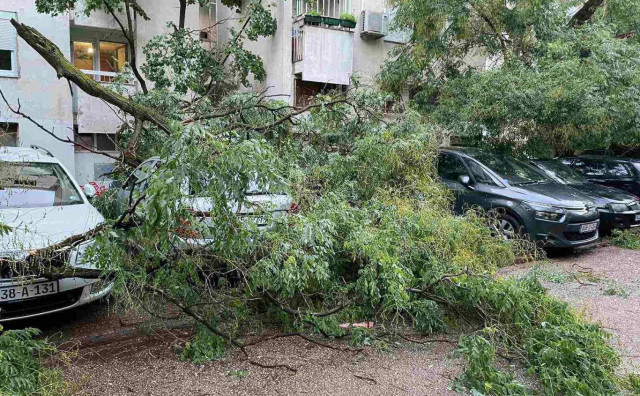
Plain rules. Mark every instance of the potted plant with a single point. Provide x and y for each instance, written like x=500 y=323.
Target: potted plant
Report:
x=329 y=21
x=348 y=20
x=313 y=17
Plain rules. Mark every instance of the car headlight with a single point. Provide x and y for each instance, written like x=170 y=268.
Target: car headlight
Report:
x=546 y=212
x=78 y=257
x=617 y=207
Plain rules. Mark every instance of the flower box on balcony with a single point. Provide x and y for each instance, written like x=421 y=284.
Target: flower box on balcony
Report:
x=348 y=24
x=313 y=19
x=331 y=21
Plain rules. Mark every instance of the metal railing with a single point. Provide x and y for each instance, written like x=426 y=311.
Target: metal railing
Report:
x=328 y=8
x=297 y=43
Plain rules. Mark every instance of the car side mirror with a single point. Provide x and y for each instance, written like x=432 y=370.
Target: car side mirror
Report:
x=89 y=190
x=465 y=180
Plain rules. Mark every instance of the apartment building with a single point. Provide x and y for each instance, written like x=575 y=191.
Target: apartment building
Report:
x=317 y=47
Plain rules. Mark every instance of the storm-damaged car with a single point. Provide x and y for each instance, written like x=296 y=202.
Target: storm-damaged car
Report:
x=41 y=208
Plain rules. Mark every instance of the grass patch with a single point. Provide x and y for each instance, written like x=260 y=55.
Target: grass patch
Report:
x=628 y=239
x=612 y=288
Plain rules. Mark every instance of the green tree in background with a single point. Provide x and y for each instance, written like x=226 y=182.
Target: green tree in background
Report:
x=540 y=77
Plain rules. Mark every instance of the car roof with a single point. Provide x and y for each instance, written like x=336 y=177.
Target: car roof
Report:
x=466 y=151
x=25 y=154
x=607 y=158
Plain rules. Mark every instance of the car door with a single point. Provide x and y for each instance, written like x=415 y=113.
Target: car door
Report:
x=487 y=194
x=450 y=168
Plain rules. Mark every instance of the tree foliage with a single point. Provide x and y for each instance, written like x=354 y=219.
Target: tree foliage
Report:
x=553 y=87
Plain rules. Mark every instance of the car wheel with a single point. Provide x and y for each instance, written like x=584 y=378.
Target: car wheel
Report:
x=507 y=227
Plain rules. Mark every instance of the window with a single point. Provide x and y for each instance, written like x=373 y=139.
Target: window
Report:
x=9 y=134
x=102 y=59
x=306 y=91
x=8 y=45
x=35 y=185
x=207 y=19
x=618 y=169
x=478 y=173
x=96 y=141
x=450 y=167
x=590 y=168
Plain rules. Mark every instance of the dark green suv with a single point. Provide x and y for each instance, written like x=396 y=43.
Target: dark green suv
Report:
x=524 y=199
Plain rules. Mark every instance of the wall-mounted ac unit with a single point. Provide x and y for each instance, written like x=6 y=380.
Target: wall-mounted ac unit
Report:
x=373 y=24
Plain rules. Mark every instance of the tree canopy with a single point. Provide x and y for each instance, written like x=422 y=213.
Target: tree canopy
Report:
x=558 y=76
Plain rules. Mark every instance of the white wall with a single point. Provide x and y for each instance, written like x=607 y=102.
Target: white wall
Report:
x=41 y=94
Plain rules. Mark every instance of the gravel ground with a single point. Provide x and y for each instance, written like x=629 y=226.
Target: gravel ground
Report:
x=146 y=365
x=603 y=284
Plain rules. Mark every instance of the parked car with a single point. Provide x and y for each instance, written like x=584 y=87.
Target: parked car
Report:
x=262 y=205
x=524 y=200
x=42 y=205
x=622 y=173
x=618 y=209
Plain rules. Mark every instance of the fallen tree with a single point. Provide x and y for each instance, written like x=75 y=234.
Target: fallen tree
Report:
x=373 y=239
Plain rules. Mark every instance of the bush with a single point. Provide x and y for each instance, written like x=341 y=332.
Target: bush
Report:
x=21 y=371
x=628 y=239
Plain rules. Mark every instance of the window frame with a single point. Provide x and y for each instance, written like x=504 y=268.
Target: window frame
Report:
x=455 y=158
x=15 y=70
x=96 y=74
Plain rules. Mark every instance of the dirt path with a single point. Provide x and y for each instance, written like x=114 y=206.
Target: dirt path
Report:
x=604 y=284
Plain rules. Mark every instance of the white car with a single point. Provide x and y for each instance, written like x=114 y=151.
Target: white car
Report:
x=260 y=208
x=42 y=205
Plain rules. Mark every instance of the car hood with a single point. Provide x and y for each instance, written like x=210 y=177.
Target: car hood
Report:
x=37 y=228
x=603 y=195
x=553 y=194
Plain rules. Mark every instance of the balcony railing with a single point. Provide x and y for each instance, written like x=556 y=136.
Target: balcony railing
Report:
x=328 y=8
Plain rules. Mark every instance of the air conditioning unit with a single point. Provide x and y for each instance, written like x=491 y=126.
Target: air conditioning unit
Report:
x=373 y=24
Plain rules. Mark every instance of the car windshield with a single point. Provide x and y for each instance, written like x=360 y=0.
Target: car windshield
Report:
x=561 y=172
x=512 y=170
x=35 y=185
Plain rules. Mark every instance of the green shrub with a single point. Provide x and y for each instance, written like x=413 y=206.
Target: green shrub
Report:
x=628 y=239
x=21 y=370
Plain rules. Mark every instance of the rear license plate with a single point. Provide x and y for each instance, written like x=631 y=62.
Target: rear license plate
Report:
x=28 y=290
x=584 y=228
x=637 y=217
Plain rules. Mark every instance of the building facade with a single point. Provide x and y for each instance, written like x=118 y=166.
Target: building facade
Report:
x=319 y=45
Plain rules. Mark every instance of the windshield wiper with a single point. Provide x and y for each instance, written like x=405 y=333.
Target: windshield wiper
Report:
x=530 y=182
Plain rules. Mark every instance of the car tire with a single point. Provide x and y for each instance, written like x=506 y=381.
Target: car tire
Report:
x=508 y=227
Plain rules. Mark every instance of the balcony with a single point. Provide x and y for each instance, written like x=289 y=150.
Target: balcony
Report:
x=93 y=115
x=322 y=49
